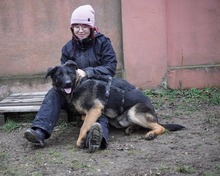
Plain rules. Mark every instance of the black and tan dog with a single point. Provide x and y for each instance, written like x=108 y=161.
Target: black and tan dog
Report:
x=126 y=106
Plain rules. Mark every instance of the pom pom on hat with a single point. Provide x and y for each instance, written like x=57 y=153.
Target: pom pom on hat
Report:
x=83 y=15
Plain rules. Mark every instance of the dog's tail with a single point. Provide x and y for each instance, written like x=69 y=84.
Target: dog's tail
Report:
x=173 y=127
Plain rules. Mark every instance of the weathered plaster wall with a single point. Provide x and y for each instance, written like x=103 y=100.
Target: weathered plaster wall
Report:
x=144 y=42
x=172 y=43
x=193 y=34
x=32 y=34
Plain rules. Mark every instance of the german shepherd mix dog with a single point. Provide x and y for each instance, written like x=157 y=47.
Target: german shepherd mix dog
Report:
x=126 y=106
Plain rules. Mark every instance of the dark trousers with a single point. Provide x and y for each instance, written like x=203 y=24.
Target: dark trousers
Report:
x=49 y=112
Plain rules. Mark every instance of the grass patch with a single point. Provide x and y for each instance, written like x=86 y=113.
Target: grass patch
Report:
x=185 y=169
x=3 y=159
x=10 y=126
x=63 y=125
x=184 y=100
x=206 y=95
x=37 y=174
x=76 y=165
x=167 y=116
x=54 y=154
x=3 y=156
x=209 y=173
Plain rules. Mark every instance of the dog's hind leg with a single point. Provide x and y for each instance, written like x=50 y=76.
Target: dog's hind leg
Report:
x=140 y=115
x=90 y=118
x=156 y=129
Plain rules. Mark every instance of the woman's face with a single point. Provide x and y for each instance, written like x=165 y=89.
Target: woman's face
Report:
x=82 y=31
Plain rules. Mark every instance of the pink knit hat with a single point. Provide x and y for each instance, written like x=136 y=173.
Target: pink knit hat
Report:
x=83 y=15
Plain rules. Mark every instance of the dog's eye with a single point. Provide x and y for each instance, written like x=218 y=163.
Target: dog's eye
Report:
x=69 y=72
x=60 y=74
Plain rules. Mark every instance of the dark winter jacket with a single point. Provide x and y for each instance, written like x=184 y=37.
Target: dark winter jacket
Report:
x=95 y=57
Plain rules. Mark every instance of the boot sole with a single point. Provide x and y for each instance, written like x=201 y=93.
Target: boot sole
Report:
x=29 y=135
x=95 y=137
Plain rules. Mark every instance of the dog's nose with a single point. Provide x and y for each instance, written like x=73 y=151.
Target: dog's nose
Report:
x=68 y=83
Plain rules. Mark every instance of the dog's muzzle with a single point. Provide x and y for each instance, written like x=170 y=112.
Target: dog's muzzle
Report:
x=67 y=87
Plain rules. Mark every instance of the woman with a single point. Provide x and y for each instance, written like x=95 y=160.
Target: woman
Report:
x=94 y=55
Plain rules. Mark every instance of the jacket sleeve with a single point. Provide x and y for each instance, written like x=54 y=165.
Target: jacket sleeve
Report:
x=108 y=61
x=64 y=58
x=67 y=52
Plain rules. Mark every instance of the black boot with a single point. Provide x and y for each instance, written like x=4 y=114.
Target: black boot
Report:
x=96 y=136
x=35 y=136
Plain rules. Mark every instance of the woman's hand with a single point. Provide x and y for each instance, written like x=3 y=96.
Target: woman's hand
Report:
x=81 y=73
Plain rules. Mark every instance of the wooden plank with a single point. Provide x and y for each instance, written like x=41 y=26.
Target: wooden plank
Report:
x=29 y=94
x=19 y=109
x=26 y=95
x=22 y=102
x=22 y=97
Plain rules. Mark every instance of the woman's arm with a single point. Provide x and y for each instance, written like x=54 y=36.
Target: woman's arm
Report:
x=108 y=61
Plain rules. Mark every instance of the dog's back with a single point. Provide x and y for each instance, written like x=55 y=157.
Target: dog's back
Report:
x=123 y=96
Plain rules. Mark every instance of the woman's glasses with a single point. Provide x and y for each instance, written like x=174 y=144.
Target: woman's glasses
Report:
x=77 y=27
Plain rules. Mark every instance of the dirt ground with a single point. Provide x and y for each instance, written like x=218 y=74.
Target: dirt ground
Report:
x=194 y=151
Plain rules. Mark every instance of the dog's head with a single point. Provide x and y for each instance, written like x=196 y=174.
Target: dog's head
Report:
x=64 y=76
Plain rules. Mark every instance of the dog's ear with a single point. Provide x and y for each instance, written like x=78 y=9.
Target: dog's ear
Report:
x=51 y=71
x=71 y=64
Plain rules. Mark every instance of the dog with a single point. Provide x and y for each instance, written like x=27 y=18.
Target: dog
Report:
x=124 y=104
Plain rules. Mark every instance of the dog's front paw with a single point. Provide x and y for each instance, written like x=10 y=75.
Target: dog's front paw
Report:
x=79 y=143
